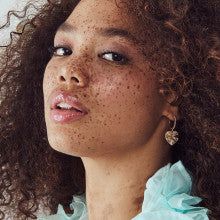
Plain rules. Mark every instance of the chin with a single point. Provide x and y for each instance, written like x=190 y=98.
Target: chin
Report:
x=66 y=147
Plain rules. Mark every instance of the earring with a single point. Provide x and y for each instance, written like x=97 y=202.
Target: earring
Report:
x=172 y=136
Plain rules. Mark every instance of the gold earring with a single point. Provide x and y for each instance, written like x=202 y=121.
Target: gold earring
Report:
x=172 y=136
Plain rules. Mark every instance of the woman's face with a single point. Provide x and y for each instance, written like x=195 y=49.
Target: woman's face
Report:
x=106 y=70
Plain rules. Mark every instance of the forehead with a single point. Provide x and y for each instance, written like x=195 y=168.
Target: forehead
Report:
x=101 y=13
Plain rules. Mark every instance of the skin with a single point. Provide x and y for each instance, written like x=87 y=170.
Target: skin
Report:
x=121 y=140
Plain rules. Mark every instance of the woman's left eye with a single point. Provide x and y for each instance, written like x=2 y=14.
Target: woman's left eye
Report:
x=60 y=51
x=115 y=57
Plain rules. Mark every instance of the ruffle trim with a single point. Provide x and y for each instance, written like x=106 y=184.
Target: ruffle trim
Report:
x=78 y=205
x=167 y=196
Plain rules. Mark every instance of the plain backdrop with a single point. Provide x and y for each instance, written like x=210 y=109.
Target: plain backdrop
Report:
x=17 y=5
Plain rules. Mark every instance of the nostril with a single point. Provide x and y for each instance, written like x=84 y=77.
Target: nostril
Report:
x=74 y=78
x=62 y=78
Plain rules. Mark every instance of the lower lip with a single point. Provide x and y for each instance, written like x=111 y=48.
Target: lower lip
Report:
x=62 y=116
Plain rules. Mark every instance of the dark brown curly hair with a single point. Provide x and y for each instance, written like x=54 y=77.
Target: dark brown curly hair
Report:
x=183 y=41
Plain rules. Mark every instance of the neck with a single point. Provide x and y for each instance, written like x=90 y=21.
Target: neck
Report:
x=115 y=184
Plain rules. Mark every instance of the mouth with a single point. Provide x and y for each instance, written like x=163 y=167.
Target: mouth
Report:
x=65 y=107
x=65 y=101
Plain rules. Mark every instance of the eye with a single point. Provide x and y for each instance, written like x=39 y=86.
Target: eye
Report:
x=60 y=51
x=115 y=57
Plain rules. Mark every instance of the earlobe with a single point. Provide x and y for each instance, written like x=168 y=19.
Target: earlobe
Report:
x=170 y=109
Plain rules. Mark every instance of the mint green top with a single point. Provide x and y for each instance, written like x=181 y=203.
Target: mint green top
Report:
x=167 y=196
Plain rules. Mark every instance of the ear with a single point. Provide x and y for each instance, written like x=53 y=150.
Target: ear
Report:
x=170 y=109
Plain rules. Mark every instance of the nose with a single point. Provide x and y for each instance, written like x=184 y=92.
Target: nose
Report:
x=72 y=76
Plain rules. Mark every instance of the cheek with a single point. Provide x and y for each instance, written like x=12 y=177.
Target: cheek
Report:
x=129 y=105
x=127 y=92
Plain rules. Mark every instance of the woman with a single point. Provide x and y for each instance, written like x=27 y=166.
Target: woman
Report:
x=119 y=118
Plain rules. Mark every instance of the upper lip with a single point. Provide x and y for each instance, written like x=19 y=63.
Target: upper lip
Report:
x=59 y=96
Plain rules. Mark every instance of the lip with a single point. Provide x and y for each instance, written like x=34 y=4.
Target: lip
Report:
x=64 y=96
x=63 y=115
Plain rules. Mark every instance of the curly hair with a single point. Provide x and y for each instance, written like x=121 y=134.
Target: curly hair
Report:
x=183 y=48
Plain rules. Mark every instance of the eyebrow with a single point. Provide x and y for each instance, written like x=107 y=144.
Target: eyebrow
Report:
x=106 y=32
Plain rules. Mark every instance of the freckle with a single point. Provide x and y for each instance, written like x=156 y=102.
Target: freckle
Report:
x=138 y=86
x=93 y=137
x=128 y=87
x=84 y=95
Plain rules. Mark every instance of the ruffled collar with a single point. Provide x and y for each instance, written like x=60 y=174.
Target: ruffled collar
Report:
x=167 y=196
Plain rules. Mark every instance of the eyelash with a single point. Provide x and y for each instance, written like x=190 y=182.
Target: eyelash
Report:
x=124 y=61
x=53 y=49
